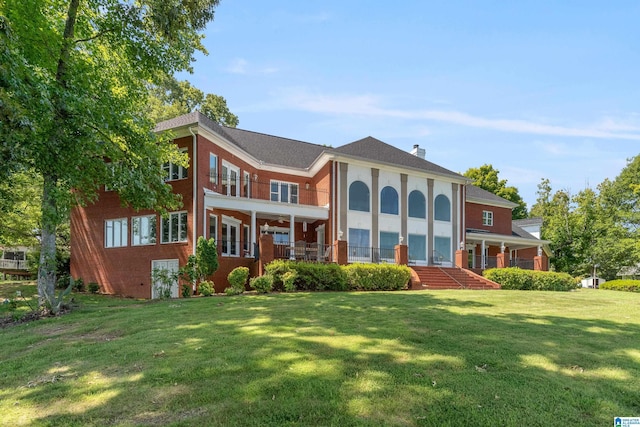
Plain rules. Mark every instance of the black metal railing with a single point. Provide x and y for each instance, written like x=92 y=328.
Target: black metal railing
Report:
x=437 y=258
x=369 y=254
x=275 y=191
x=303 y=251
x=525 y=264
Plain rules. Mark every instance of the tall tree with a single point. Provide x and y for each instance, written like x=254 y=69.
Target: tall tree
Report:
x=76 y=78
x=171 y=98
x=486 y=177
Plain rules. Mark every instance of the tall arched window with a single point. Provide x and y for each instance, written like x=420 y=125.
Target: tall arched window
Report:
x=417 y=205
x=389 y=201
x=359 y=196
x=442 y=208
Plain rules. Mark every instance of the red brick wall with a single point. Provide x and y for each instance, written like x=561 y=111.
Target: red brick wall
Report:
x=501 y=218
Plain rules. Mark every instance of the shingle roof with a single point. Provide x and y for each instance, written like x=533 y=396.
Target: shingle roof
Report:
x=478 y=193
x=528 y=221
x=519 y=232
x=373 y=149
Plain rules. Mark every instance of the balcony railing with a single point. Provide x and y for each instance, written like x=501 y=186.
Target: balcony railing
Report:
x=525 y=264
x=10 y=264
x=303 y=251
x=370 y=254
x=275 y=191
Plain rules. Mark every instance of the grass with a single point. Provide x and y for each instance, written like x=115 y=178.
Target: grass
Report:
x=508 y=358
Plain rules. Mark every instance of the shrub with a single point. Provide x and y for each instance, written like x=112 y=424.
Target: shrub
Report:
x=238 y=278
x=206 y=288
x=288 y=281
x=78 y=285
x=525 y=280
x=262 y=284
x=93 y=287
x=186 y=290
x=63 y=281
x=622 y=285
x=310 y=276
x=377 y=277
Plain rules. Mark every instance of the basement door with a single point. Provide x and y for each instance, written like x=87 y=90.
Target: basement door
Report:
x=168 y=268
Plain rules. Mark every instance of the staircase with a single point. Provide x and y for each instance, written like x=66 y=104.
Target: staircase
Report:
x=448 y=278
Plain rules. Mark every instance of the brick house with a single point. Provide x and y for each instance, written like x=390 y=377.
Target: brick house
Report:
x=242 y=185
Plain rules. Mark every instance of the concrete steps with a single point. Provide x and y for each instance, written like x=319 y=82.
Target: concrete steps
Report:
x=448 y=278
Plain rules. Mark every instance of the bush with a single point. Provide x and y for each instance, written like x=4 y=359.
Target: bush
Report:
x=288 y=281
x=93 y=287
x=78 y=285
x=527 y=280
x=262 y=284
x=206 y=288
x=377 y=277
x=310 y=276
x=62 y=281
x=622 y=285
x=186 y=290
x=238 y=278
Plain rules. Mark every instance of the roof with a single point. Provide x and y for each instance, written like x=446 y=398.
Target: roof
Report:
x=475 y=193
x=519 y=232
x=373 y=149
x=525 y=222
x=287 y=152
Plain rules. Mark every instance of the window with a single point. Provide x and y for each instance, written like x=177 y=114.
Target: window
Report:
x=246 y=239
x=143 y=230
x=359 y=196
x=115 y=233
x=388 y=241
x=389 y=201
x=213 y=228
x=487 y=218
x=246 y=184
x=285 y=192
x=174 y=228
x=359 y=237
x=442 y=207
x=417 y=247
x=213 y=168
x=230 y=179
x=280 y=235
x=417 y=205
x=230 y=236
x=173 y=172
x=442 y=249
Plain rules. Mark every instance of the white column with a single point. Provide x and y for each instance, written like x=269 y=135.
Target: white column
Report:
x=483 y=258
x=253 y=232
x=292 y=236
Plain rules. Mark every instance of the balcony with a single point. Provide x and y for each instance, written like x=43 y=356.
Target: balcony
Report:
x=274 y=191
x=14 y=265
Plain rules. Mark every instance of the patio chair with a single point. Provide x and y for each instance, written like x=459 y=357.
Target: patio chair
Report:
x=300 y=250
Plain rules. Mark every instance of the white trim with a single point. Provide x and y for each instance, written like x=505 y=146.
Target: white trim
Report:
x=155 y=219
x=487 y=218
x=170 y=214
x=124 y=241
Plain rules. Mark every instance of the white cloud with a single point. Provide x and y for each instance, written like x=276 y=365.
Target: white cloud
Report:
x=242 y=66
x=371 y=105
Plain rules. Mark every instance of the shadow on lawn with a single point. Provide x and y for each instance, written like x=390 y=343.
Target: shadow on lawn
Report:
x=338 y=359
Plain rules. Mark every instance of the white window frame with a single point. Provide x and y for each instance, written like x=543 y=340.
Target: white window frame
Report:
x=110 y=232
x=246 y=185
x=174 y=216
x=246 y=237
x=278 y=193
x=213 y=220
x=487 y=218
x=229 y=222
x=226 y=178
x=151 y=233
x=213 y=168
x=169 y=167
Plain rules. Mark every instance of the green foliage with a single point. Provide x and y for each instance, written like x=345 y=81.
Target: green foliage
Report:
x=20 y=200
x=186 y=290
x=529 y=280
x=93 y=287
x=288 y=281
x=377 y=277
x=206 y=288
x=262 y=284
x=622 y=285
x=78 y=285
x=63 y=280
x=310 y=276
x=206 y=262
x=163 y=280
x=486 y=177
x=188 y=271
x=238 y=278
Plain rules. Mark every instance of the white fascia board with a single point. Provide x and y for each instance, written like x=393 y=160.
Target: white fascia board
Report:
x=492 y=237
x=218 y=201
x=506 y=204
x=399 y=168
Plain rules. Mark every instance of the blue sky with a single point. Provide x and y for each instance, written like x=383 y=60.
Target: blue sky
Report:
x=538 y=89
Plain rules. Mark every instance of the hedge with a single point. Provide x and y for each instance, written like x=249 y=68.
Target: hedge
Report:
x=530 y=280
x=377 y=277
x=622 y=285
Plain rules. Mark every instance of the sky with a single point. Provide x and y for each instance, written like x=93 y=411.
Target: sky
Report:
x=538 y=89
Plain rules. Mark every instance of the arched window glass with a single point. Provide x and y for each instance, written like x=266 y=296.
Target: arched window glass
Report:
x=359 y=196
x=389 y=201
x=417 y=205
x=442 y=208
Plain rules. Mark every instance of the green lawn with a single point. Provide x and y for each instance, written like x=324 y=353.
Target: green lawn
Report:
x=445 y=358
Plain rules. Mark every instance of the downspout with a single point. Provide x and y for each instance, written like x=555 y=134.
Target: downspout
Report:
x=334 y=225
x=194 y=178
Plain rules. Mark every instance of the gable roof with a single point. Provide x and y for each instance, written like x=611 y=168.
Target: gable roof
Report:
x=517 y=231
x=371 y=148
x=480 y=195
x=528 y=221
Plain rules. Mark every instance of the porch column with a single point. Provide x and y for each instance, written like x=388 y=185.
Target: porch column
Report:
x=537 y=261
x=502 y=258
x=483 y=258
x=430 y=212
x=292 y=236
x=253 y=233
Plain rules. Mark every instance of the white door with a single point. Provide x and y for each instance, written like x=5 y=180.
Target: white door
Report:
x=164 y=275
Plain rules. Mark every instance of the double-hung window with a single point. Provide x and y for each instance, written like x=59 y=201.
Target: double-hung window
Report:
x=213 y=168
x=285 y=192
x=174 y=227
x=115 y=233
x=173 y=171
x=230 y=179
x=230 y=236
x=143 y=230
x=487 y=218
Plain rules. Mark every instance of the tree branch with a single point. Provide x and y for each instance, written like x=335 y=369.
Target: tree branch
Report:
x=95 y=36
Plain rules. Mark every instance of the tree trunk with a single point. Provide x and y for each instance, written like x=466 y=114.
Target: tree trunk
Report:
x=47 y=267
